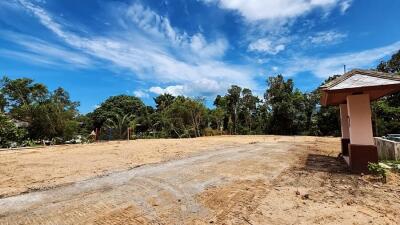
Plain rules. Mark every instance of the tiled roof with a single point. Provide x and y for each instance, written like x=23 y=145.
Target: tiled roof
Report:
x=362 y=78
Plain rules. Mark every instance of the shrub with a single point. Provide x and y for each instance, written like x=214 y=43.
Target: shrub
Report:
x=211 y=132
x=10 y=134
x=377 y=169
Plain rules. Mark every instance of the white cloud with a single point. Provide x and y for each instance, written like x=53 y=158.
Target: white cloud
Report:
x=28 y=57
x=172 y=90
x=153 y=23
x=159 y=53
x=160 y=27
x=202 y=87
x=326 y=38
x=325 y=67
x=266 y=46
x=41 y=52
x=345 y=5
x=141 y=94
x=254 y=10
x=200 y=47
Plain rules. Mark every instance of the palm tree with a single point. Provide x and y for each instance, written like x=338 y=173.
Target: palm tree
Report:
x=120 y=122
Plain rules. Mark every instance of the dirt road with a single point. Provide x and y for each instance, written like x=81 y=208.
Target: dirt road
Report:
x=219 y=180
x=38 y=169
x=164 y=193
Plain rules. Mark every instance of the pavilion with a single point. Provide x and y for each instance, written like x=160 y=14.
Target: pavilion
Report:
x=353 y=92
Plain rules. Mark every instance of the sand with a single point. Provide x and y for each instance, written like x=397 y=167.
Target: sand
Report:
x=211 y=180
x=43 y=168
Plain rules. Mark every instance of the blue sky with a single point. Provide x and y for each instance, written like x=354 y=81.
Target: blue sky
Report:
x=97 y=48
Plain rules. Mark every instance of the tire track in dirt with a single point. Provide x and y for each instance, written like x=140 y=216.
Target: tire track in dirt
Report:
x=163 y=193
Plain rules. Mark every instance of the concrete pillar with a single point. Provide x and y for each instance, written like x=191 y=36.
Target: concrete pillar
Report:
x=361 y=148
x=344 y=125
x=360 y=123
x=344 y=121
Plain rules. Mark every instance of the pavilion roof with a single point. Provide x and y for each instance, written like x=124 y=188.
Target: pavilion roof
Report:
x=374 y=83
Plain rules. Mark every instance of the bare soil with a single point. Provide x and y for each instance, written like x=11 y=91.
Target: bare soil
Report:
x=214 y=180
x=317 y=189
x=23 y=171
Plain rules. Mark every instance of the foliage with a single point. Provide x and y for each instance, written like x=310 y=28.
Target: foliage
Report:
x=216 y=117
x=392 y=65
x=49 y=115
x=121 y=123
x=163 y=101
x=117 y=105
x=3 y=102
x=377 y=169
x=185 y=117
x=233 y=101
x=386 y=117
x=248 y=110
x=325 y=120
x=281 y=99
x=393 y=163
x=10 y=133
x=54 y=117
x=85 y=125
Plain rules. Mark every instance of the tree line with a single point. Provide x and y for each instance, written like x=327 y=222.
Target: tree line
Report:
x=30 y=113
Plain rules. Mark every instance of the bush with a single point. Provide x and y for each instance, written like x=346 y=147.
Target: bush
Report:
x=211 y=132
x=377 y=169
x=10 y=134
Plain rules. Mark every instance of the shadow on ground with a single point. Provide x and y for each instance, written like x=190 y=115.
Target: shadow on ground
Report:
x=325 y=163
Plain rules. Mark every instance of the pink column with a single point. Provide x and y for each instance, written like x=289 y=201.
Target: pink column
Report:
x=344 y=121
x=360 y=123
x=362 y=150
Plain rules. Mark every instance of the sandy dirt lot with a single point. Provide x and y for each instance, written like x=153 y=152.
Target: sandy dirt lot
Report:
x=217 y=180
x=45 y=168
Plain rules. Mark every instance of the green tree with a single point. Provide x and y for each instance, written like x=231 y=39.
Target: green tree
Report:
x=311 y=100
x=392 y=65
x=233 y=104
x=121 y=123
x=198 y=113
x=249 y=106
x=326 y=120
x=23 y=91
x=54 y=119
x=20 y=94
x=262 y=118
x=385 y=112
x=85 y=124
x=386 y=117
x=10 y=133
x=217 y=116
x=145 y=123
x=49 y=115
x=279 y=97
x=3 y=102
x=221 y=103
x=185 y=117
x=163 y=101
x=117 y=105
x=300 y=116
x=176 y=119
